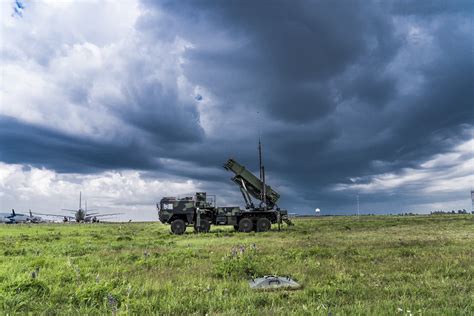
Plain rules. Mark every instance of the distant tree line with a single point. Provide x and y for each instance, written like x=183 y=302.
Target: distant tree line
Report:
x=463 y=211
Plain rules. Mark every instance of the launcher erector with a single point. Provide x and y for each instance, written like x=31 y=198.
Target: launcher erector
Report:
x=251 y=186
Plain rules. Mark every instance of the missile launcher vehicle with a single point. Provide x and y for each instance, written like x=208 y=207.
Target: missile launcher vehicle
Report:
x=200 y=211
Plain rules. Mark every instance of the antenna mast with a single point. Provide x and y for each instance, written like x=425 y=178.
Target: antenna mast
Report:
x=263 y=195
x=262 y=174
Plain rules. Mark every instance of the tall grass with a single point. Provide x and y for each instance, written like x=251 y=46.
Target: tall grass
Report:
x=371 y=265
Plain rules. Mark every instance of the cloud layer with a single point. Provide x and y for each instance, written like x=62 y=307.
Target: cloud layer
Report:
x=345 y=96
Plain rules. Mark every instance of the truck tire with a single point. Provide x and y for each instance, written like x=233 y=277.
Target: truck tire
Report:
x=263 y=224
x=178 y=227
x=205 y=226
x=245 y=225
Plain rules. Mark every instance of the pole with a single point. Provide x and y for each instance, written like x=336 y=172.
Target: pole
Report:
x=264 y=189
x=260 y=158
x=472 y=200
x=358 y=210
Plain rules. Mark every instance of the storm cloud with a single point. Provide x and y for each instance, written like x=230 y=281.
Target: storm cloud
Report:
x=346 y=96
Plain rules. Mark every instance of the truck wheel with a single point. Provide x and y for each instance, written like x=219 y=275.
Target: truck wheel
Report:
x=245 y=225
x=263 y=225
x=205 y=226
x=178 y=227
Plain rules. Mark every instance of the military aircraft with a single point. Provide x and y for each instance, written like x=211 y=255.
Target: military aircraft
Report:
x=35 y=219
x=81 y=215
x=14 y=218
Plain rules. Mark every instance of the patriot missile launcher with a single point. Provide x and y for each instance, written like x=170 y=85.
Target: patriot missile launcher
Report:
x=200 y=210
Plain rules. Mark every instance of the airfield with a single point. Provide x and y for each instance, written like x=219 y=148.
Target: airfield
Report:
x=377 y=265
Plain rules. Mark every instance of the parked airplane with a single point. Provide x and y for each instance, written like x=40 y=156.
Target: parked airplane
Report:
x=81 y=215
x=14 y=218
x=36 y=219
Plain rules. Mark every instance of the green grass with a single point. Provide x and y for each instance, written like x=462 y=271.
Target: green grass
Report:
x=370 y=265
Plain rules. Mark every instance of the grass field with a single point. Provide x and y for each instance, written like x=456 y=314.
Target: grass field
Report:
x=379 y=265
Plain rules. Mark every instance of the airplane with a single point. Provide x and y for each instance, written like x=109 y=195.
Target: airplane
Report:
x=35 y=219
x=81 y=215
x=14 y=218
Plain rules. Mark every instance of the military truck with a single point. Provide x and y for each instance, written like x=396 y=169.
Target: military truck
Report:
x=200 y=211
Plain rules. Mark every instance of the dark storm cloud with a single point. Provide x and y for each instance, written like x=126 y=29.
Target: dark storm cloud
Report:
x=432 y=7
x=323 y=69
x=42 y=147
x=157 y=111
x=288 y=52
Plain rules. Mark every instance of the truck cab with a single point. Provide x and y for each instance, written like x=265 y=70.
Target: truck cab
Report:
x=198 y=211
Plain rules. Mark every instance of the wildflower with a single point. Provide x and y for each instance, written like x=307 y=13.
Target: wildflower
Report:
x=112 y=302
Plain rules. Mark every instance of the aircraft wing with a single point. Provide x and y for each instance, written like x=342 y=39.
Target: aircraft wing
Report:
x=101 y=215
x=57 y=215
x=69 y=210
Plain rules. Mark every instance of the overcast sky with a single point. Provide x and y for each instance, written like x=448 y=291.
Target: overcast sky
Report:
x=130 y=101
